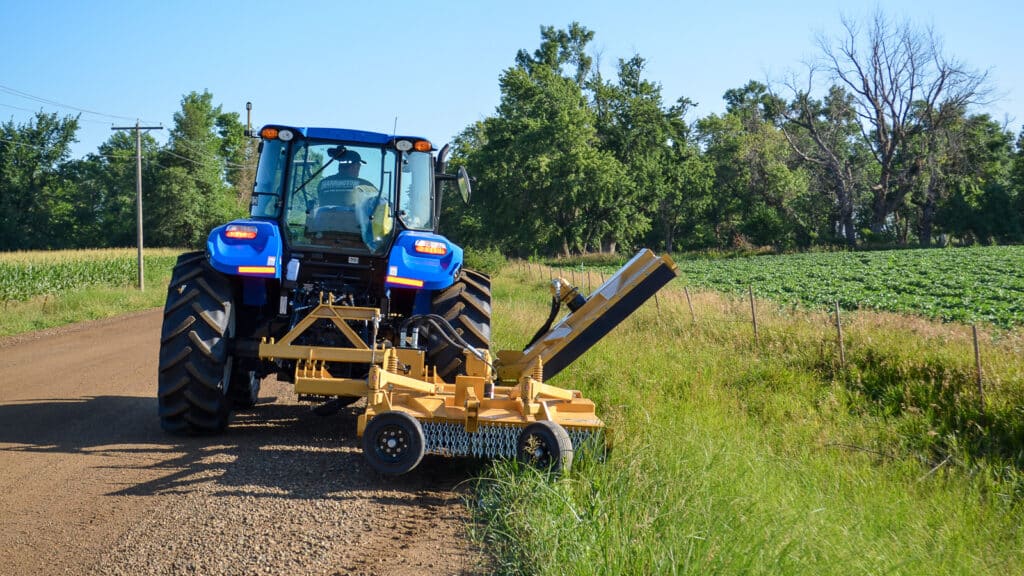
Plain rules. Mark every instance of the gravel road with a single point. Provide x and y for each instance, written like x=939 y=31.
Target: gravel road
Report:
x=89 y=484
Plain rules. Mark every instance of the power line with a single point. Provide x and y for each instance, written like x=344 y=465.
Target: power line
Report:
x=37 y=147
x=203 y=159
x=207 y=161
x=41 y=110
x=19 y=93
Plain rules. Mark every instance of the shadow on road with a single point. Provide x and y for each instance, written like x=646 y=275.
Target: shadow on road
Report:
x=271 y=451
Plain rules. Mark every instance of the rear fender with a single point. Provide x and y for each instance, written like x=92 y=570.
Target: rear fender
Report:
x=423 y=261
x=247 y=248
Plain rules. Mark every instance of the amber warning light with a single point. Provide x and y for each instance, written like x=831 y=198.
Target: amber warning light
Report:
x=240 y=232
x=431 y=247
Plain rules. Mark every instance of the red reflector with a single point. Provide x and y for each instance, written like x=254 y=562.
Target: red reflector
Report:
x=430 y=247
x=256 y=270
x=405 y=281
x=240 y=232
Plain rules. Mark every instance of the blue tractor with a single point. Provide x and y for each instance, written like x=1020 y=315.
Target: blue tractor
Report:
x=338 y=217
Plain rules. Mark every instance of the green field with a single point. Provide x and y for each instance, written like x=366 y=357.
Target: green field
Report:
x=26 y=275
x=44 y=289
x=980 y=284
x=774 y=458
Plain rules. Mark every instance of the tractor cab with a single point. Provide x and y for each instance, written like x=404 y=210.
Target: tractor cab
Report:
x=344 y=190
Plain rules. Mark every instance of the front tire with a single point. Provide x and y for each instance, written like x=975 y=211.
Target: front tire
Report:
x=195 y=366
x=466 y=305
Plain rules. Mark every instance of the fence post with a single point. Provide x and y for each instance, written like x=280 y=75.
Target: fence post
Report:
x=753 y=316
x=689 y=303
x=977 y=364
x=839 y=336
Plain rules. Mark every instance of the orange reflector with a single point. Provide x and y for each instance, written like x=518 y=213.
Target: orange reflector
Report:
x=240 y=232
x=422 y=146
x=405 y=281
x=430 y=247
x=269 y=133
x=255 y=269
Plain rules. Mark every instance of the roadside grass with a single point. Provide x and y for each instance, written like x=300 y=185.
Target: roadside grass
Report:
x=736 y=458
x=63 y=287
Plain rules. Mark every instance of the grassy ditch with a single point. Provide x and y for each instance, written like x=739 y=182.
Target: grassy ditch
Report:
x=772 y=458
x=45 y=289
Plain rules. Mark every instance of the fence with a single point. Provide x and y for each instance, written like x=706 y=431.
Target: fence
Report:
x=587 y=280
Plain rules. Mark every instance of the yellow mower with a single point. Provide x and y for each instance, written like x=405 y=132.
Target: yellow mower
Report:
x=500 y=408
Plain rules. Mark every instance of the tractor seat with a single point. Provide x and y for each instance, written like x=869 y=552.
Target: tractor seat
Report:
x=341 y=219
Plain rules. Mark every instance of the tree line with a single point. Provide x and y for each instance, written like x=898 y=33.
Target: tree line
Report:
x=879 y=142
x=889 y=151
x=200 y=179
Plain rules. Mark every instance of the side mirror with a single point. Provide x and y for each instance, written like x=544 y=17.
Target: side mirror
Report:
x=465 y=190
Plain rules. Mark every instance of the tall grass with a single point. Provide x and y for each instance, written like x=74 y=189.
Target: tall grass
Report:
x=736 y=458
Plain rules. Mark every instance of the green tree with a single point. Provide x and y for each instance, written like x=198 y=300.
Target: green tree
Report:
x=634 y=125
x=757 y=190
x=543 y=184
x=971 y=182
x=106 y=182
x=204 y=161
x=824 y=134
x=36 y=196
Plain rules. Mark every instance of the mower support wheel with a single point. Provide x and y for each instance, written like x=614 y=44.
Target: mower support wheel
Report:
x=545 y=445
x=393 y=443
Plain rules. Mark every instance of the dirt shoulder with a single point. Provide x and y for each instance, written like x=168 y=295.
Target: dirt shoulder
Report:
x=89 y=484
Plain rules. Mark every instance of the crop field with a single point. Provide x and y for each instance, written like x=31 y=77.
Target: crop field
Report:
x=979 y=284
x=26 y=275
x=41 y=290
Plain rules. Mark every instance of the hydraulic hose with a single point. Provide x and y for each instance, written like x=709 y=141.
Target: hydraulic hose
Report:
x=556 y=305
x=444 y=330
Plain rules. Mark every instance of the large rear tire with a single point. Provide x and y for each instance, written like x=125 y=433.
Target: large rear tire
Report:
x=466 y=305
x=195 y=364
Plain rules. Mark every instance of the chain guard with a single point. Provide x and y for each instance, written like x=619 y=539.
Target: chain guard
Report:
x=489 y=441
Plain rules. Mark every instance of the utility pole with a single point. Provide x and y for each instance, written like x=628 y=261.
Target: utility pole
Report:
x=138 y=188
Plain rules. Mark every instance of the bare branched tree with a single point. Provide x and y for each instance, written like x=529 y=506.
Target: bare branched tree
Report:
x=899 y=78
x=828 y=127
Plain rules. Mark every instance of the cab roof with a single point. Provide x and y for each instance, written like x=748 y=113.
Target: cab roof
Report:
x=348 y=135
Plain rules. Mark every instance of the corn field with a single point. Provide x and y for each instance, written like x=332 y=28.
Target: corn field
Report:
x=26 y=275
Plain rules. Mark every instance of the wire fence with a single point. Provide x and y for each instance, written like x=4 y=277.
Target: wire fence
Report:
x=769 y=322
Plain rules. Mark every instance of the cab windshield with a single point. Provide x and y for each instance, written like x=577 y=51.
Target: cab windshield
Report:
x=337 y=195
x=340 y=196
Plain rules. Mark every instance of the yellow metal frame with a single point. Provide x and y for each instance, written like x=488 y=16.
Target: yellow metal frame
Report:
x=399 y=379
x=509 y=391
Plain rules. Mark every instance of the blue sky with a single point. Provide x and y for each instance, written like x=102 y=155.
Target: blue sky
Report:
x=433 y=65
